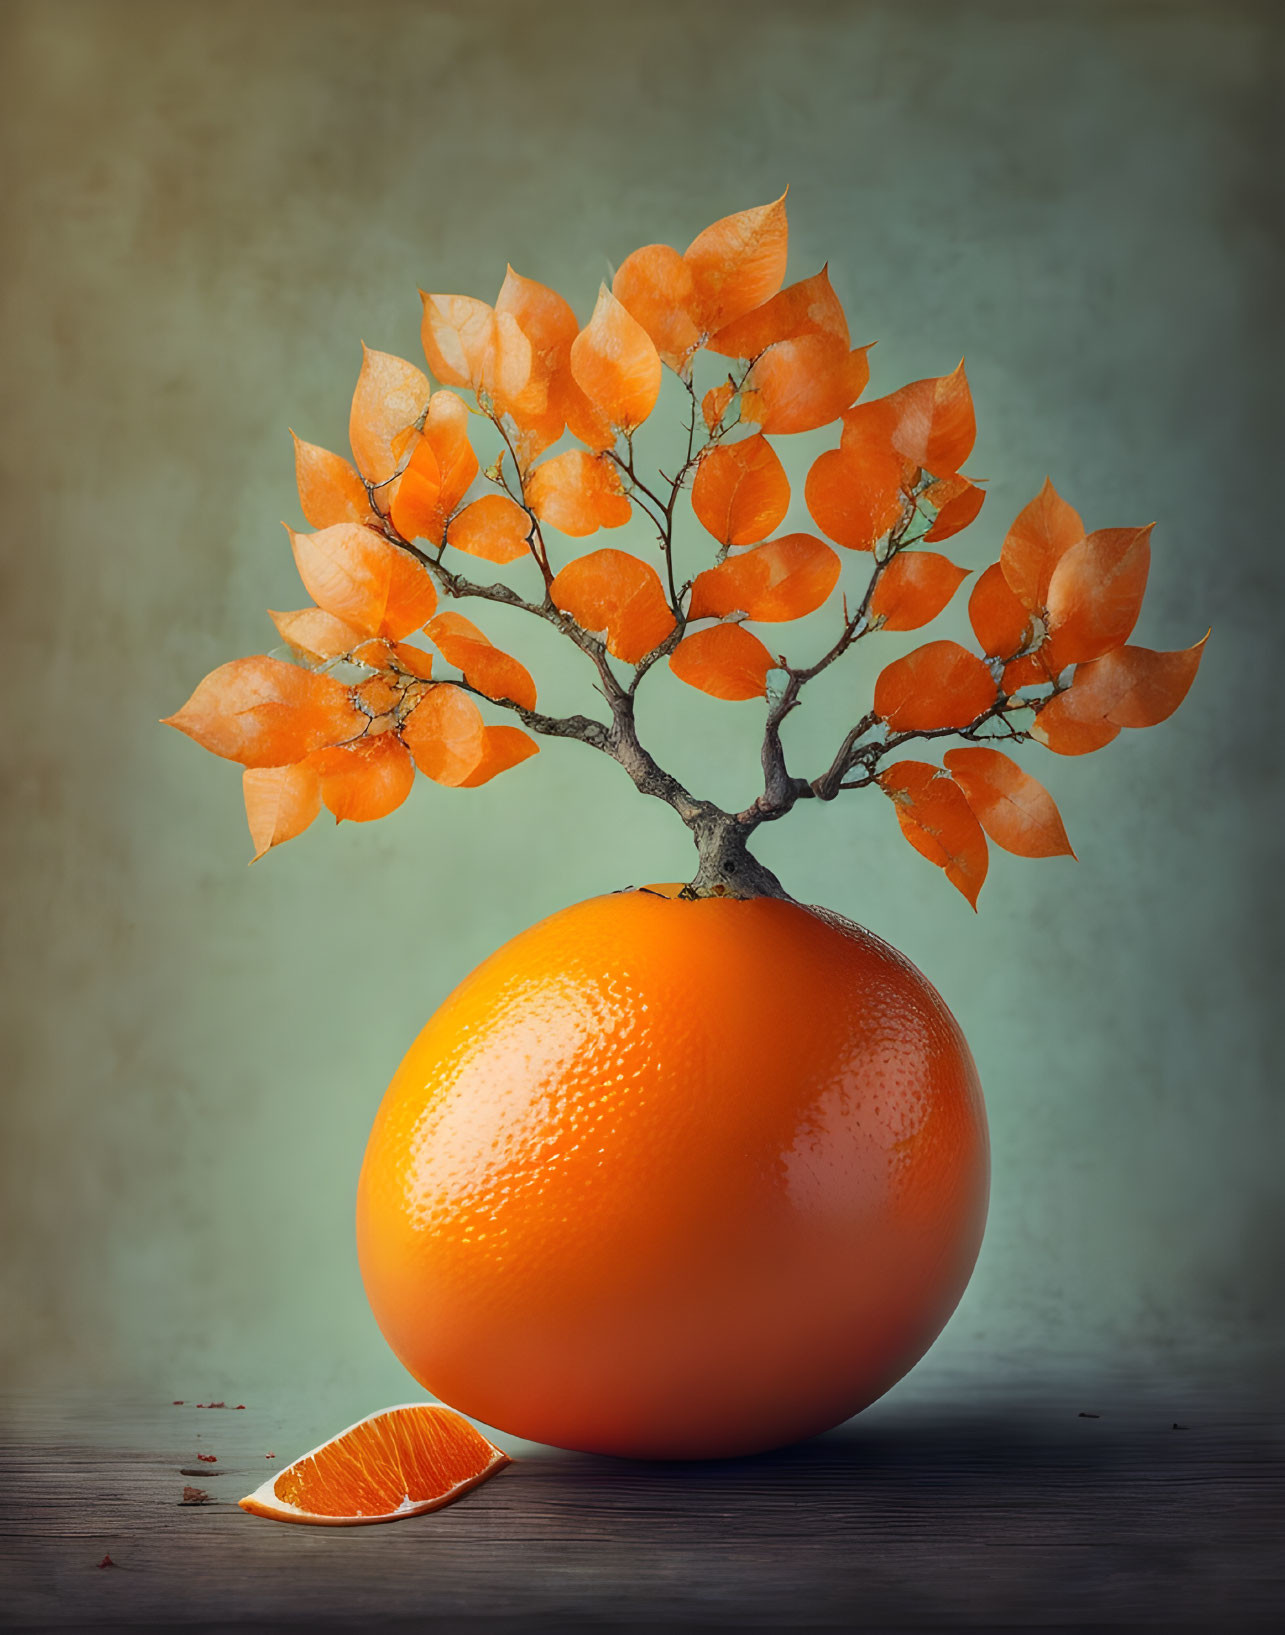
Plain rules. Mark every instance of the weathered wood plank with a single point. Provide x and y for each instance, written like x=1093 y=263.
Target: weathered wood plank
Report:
x=983 y=1513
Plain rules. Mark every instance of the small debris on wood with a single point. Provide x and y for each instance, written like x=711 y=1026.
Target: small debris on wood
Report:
x=269 y=1456
x=192 y=1470
x=240 y=1405
x=177 y=1403
x=107 y=1562
x=1083 y=1415
x=208 y=1458
x=194 y=1495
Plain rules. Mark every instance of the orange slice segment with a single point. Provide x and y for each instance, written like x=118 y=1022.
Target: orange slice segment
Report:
x=398 y=1462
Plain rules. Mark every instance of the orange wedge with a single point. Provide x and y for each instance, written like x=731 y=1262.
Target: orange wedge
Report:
x=398 y=1462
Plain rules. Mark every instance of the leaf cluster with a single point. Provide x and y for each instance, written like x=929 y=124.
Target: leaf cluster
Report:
x=557 y=408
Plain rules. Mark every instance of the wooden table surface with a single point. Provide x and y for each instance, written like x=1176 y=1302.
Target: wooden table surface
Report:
x=956 y=1503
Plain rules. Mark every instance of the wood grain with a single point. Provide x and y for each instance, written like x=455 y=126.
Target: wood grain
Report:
x=970 y=1506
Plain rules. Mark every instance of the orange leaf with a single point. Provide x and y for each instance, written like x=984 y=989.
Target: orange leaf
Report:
x=415 y=500
x=413 y=659
x=1146 y=687
x=614 y=592
x=1000 y=622
x=552 y=328
x=741 y=492
x=714 y=403
x=514 y=381
x=544 y=317
x=914 y=588
x=577 y=494
x=265 y=712
x=365 y=780
x=869 y=428
x=783 y=579
x=280 y=803
x=379 y=696
x=1128 y=687
x=938 y=685
x=726 y=661
x=446 y=433
x=457 y=332
x=329 y=488
x=934 y=425
x=938 y=822
x=1015 y=810
x=483 y=665
x=737 y=264
x=655 y=286
x=446 y=734
x=615 y=364
x=802 y=384
x=502 y=747
x=809 y=307
x=391 y=394
x=441 y=470
x=494 y=528
x=548 y=322
x=315 y=634
x=1134 y=686
x=854 y=496
x=1066 y=728
x=956 y=511
x=468 y=343
x=1045 y=530
x=365 y=580
x=1095 y=593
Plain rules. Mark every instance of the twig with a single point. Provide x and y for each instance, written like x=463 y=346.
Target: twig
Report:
x=585 y=728
x=869 y=755
x=780 y=790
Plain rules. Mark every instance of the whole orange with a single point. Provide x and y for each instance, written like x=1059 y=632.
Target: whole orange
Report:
x=675 y=1179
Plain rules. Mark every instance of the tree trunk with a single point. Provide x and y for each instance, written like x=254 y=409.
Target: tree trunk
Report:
x=727 y=867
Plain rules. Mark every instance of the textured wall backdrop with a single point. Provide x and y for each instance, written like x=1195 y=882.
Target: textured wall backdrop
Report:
x=208 y=206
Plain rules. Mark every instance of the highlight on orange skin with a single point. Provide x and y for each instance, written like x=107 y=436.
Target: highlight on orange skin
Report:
x=399 y=1462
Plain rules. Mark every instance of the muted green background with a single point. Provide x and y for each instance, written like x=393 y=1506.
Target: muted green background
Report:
x=209 y=204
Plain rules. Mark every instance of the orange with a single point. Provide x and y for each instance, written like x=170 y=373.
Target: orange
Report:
x=398 y=1462
x=675 y=1179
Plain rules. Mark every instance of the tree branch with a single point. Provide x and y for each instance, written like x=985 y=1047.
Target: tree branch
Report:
x=828 y=784
x=585 y=728
x=657 y=653
x=780 y=790
x=868 y=756
x=664 y=522
x=535 y=539
x=456 y=585
x=620 y=740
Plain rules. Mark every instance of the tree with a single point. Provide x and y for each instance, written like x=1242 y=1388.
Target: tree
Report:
x=358 y=706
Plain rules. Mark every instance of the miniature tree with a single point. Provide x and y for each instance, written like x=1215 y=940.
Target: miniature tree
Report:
x=359 y=706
